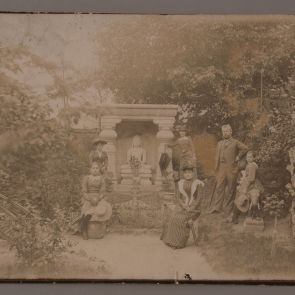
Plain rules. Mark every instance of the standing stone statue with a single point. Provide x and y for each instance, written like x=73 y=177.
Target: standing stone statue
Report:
x=228 y=153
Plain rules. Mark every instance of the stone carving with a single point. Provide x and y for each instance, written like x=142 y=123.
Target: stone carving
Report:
x=136 y=161
x=112 y=117
x=136 y=151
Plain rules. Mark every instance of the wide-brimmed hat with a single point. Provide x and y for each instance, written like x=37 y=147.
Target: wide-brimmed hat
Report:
x=103 y=211
x=98 y=140
x=242 y=202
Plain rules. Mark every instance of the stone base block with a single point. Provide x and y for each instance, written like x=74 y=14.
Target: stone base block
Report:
x=141 y=175
x=145 y=169
x=143 y=181
x=143 y=187
x=253 y=225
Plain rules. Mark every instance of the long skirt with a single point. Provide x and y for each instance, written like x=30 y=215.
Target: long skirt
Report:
x=176 y=230
x=87 y=207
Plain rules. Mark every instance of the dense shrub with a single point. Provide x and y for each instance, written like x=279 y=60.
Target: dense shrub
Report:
x=38 y=242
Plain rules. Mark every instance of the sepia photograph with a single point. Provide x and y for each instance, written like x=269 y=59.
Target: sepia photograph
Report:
x=147 y=147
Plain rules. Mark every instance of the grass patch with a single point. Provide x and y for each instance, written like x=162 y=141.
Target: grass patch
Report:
x=232 y=251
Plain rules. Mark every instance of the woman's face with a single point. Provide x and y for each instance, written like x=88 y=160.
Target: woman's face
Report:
x=99 y=147
x=94 y=170
x=182 y=133
x=188 y=174
x=250 y=158
x=136 y=141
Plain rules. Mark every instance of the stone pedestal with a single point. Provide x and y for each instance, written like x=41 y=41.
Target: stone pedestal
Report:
x=144 y=174
x=253 y=225
x=108 y=133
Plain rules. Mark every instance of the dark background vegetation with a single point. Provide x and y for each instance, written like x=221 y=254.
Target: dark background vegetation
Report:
x=237 y=71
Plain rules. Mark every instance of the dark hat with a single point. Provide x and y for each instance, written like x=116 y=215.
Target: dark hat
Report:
x=188 y=166
x=98 y=140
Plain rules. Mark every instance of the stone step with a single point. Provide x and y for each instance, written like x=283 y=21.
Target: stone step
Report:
x=131 y=175
x=253 y=225
x=141 y=171
x=143 y=187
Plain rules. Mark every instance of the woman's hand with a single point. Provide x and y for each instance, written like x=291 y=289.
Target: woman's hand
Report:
x=201 y=183
x=186 y=207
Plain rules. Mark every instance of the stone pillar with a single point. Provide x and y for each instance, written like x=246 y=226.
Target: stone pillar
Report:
x=109 y=134
x=164 y=136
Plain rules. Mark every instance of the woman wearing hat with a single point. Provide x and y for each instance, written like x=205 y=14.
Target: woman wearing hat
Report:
x=94 y=207
x=177 y=228
x=98 y=155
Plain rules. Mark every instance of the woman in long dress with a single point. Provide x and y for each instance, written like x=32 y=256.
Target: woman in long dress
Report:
x=94 y=207
x=188 y=202
x=250 y=188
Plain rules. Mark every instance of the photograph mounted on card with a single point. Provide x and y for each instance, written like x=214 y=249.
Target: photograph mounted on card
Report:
x=147 y=147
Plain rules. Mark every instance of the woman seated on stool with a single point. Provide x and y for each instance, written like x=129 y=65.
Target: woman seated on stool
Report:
x=177 y=228
x=248 y=191
x=94 y=207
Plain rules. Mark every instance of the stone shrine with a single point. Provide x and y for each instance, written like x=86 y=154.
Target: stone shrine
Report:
x=136 y=132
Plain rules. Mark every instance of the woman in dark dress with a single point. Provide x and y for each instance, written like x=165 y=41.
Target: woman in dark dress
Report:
x=188 y=202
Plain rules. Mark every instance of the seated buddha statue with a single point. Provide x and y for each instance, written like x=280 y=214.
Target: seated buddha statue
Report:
x=136 y=151
x=136 y=157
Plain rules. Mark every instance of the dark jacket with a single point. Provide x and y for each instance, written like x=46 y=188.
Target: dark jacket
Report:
x=227 y=151
x=164 y=161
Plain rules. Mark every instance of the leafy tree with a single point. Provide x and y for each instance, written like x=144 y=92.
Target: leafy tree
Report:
x=215 y=68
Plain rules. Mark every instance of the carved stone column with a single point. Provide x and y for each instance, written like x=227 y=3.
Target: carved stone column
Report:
x=109 y=134
x=164 y=136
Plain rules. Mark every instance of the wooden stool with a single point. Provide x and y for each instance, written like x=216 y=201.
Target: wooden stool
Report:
x=96 y=229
